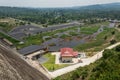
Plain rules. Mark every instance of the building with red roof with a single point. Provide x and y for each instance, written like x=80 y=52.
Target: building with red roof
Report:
x=67 y=54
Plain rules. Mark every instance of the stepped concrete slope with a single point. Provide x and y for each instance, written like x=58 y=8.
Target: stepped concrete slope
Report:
x=13 y=67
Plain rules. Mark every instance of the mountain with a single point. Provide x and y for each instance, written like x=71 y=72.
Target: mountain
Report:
x=12 y=67
x=100 y=6
x=52 y=16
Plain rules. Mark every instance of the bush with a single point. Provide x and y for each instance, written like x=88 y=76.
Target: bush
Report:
x=113 y=41
x=117 y=48
x=107 y=53
x=113 y=32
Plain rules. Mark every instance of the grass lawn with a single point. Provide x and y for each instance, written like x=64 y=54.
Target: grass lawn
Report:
x=73 y=33
x=50 y=64
x=89 y=30
x=98 y=44
x=92 y=28
x=31 y=40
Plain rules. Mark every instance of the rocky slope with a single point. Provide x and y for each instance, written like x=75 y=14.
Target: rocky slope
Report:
x=12 y=67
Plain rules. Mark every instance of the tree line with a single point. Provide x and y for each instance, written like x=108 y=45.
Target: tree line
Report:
x=60 y=15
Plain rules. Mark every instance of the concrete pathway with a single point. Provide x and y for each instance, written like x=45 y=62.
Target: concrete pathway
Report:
x=57 y=56
x=86 y=61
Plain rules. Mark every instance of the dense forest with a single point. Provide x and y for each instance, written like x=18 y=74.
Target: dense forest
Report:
x=62 y=15
x=107 y=68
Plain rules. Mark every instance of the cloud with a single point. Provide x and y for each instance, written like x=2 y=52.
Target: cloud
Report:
x=52 y=3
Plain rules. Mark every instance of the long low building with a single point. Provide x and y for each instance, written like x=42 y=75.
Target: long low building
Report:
x=30 y=49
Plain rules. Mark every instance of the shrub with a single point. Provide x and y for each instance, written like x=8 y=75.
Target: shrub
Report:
x=113 y=41
x=117 y=48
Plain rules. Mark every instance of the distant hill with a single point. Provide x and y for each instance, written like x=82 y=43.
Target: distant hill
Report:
x=100 y=6
x=96 y=6
x=62 y=15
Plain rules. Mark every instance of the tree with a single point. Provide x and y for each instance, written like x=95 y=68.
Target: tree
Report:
x=29 y=23
x=118 y=26
x=117 y=48
x=45 y=25
x=113 y=41
x=107 y=53
x=113 y=32
x=105 y=37
x=22 y=23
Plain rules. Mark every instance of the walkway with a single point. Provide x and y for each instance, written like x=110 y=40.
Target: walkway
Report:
x=86 y=61
x=35 y=54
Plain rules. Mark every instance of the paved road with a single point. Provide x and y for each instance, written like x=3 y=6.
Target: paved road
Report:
x=20 y=67
x=86 y=61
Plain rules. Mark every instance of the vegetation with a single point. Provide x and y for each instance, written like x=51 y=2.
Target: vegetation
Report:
x=7 y=24
x=2 y=35
x=94 y=16
x=107 y=68
x=38 y=39
x=113 y=41
x=92 y=28
x=99 y=42
x=89 y=14
x=50 y=64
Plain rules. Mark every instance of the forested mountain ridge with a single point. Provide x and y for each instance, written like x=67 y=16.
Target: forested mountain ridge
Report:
x=110 y=6
x=62 y=15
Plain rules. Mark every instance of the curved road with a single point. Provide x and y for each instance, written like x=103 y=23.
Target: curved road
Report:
x=86 y=61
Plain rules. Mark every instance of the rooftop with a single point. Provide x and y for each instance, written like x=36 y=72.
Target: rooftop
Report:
x=30 y=49
x=67 y=52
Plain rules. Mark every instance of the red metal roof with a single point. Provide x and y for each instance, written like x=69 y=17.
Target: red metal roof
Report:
x=68 y=52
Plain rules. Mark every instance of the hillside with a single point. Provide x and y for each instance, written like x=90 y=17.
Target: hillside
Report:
x=12 y=67
x=107 y=68
x=110 y=6
x=62 y=15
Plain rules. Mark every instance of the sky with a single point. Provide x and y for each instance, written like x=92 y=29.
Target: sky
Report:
x=52 y=3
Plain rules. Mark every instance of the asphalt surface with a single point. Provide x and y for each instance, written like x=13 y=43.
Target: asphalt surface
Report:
x=23 y=31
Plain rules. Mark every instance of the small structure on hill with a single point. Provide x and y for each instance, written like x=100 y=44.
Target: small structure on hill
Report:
x=67 y=54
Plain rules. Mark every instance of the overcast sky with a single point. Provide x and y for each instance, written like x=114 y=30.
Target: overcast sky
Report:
x=52 y=3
